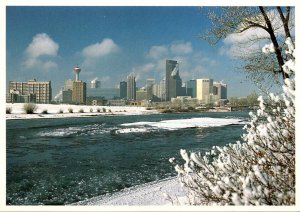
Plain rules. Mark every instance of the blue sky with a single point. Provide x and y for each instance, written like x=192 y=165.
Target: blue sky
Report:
x=112 y=42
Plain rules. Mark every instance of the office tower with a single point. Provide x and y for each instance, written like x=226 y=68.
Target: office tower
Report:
x=162 y=90
x=123 y=90
x=79 y=89
x=31 y=91
x=149 y=88
x=220 y=90
x=67 y=96
x=204 y=90
x=68 y=85
x=79 y=92
x=131 y=87
x=223 y=91
x=173 y=80
x=141 y=94
x=191 y=88
x=95 y=83
x=156 y=91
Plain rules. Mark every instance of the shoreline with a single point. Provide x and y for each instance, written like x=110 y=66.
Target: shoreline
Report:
x=163 y=192
x=17 y=111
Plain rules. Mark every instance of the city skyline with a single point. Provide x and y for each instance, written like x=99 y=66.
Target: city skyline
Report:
x=110 y=43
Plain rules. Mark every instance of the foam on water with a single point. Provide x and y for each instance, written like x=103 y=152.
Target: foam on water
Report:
x=141 y=127
x=130 y=130
x=88 y=129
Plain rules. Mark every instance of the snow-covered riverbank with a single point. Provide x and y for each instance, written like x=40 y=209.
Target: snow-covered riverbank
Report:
x=164 y=192
x=53 y=111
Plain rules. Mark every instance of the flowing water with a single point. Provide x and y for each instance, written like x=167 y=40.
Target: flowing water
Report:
x=61 y=161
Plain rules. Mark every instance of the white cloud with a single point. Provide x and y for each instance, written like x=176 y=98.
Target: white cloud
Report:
x=49 y=65
x=144 y=71
x=181 y=48
x=191 y=64
x=41 y=45
x=104 y=79
x=156 y=52
x=98 y=50
x=252 y=39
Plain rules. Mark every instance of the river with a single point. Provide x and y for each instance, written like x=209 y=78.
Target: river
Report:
x=66 y=160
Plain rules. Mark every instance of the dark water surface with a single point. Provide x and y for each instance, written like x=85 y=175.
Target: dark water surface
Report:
x=61 y=161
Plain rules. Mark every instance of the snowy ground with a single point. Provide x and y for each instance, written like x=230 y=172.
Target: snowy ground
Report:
x=164 y=192
x=53 y=111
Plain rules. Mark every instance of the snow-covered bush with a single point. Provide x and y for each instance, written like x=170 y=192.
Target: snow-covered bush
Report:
x=29 y=108
x=8 y=110
x=260 y=170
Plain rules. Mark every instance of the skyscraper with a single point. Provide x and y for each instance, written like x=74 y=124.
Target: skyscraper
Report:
x=79 y=88
x=131 y=87
x=149 y=88
x=123 y=90
x=204 y=90
x=173 y=80
x=162 y=90
x=220 y=90
x=79 y=92
x=170 y=66
x=95 y=83
x=156 y=91
x=191 y=88
x=68 y=85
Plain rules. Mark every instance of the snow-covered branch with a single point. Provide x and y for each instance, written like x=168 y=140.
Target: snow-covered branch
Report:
x=260 y=170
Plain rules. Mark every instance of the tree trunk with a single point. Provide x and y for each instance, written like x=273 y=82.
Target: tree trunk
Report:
x=285 y=20
x=275 y=43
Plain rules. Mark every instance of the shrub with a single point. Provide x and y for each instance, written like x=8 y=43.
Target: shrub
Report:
x=166 y=110
x=91 y=110
x=104 y=110
x=109 y=110
x=8 y=110
x=70 y=110
x=60 y=111
x=29 y=108
x=98 y=110
x=81 y=110
x=45 y=111
x=258 y=171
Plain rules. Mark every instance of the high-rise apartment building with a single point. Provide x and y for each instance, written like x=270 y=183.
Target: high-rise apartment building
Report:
x=123 y=90
x=131 y=87
x=31 y=91
x=204 y=90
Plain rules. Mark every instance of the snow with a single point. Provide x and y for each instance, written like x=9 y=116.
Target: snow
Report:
x=53 y=111
x=164 y=192
x=268 y=48
x=259 y=171
x=188 y=123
